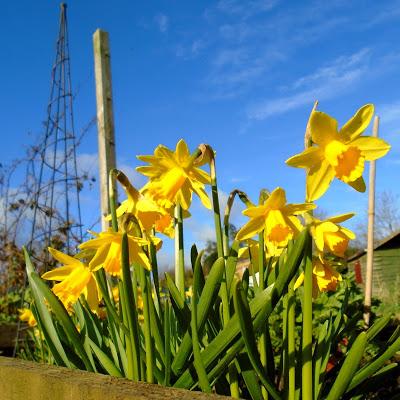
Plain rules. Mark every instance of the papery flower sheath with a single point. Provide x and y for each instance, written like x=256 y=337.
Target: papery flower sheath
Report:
x=338 y=153
x=174 y=177
x=278 y=220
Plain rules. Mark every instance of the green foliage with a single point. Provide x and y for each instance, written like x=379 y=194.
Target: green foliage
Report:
x=227 y=336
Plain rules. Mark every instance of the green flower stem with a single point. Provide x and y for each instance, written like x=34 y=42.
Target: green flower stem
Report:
x=232 y=372
x=154 y=271
x=227 y=214
x=112 y=200
x=307 y=373
x=283 y=378
x=102 y=283
x=291 y=358
x=179 y=252
x=218 y=234
x=215 y=200
x=146 y=293
x=261 y=287
x=131 y=313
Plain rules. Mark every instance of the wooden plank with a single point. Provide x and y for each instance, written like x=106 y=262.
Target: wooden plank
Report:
x=22 y=380
x=105 y=118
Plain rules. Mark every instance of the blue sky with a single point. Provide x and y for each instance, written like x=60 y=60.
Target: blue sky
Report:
x=240 y=75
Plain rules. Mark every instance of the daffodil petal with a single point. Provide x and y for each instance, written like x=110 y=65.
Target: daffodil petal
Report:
x=99 y=258
x=58 y=274
x=350 y=234
x=182 y=151
x=251 y=228
x=372 y=148
x=307 y=159
x=318 y=180
x=323 y=128
x=358 y=184
x=276 y=200
x=299 y=281
x=319 y=238
x=203 y=196
x=356 y=125
x=243 y=252
x=255 y=211
x=200 y=175
x=62 y=258
x=337 y=219
x=298 y=209
x=92 y=295
x=184 y=196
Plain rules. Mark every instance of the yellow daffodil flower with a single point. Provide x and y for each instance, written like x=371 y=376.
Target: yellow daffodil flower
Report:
x=173 y=177
x=149 y=214
x=115 y=293
x=325 y=277
x=278 y=220
x=75 y=278
x=338 y=153
x=189 y=292
x=108 y=246
x=26 y=315
x=251 y=251
x=329 y=236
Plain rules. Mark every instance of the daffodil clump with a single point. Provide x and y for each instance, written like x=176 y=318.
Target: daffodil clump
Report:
x=109 y=307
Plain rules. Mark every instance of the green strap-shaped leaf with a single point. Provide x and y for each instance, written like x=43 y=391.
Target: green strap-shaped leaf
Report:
x=242 y=309
x=105 y=361
x=45 y=320
x=375 y=365
x=249 y=376
x=167 y=343
x=62 y=315
x=231 y=265
x=181 y=309
x=260 y=307
x=198 y=362
x=349 y=367
x=378 y=325
x=321 y=355
x=374 y=382
x=207 y=300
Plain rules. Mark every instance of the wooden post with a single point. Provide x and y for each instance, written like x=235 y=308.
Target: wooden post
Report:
x=370 y=242
x=105 y=118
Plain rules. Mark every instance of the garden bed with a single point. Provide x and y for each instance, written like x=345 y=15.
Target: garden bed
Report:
x=25 y=380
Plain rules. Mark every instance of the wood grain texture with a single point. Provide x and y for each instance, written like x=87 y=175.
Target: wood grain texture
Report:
x=25 y=380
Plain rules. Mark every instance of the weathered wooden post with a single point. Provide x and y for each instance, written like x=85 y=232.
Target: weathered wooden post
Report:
x=370 y=242
x=105 y=118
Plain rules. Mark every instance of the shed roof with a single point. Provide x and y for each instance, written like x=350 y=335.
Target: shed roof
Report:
x=391 y=241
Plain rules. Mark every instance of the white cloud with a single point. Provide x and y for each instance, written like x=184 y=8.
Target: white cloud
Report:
x=324 y=83
x=162 y=21
x=245 y=9
x=87 y=163
x=191 y=49
x=252 y=42
x=390 y=112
